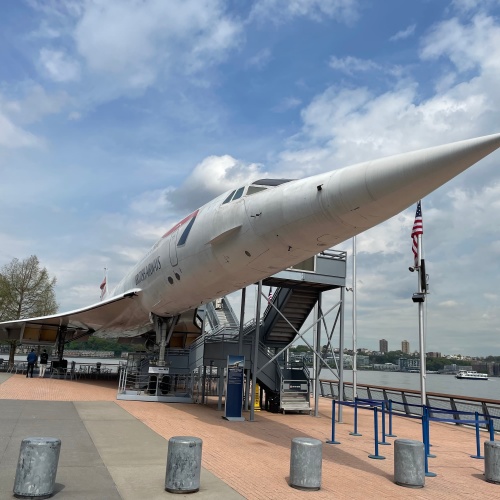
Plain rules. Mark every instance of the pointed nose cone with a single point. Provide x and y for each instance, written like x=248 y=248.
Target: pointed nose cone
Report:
x=368 y=193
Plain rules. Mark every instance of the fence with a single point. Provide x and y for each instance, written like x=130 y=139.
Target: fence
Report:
x=408 y=401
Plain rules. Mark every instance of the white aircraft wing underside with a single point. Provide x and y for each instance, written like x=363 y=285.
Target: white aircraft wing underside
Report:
x=121 y=314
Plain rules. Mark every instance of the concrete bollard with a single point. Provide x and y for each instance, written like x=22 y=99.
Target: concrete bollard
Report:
x=306 y=463
x=37 y=467
x=409 y=463
x=183 y=464
x=492 y=461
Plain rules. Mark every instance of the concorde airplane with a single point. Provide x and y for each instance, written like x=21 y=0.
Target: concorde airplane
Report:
x=248 y=234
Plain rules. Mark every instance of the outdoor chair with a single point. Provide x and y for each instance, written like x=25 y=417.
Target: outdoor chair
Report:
x=72 y=373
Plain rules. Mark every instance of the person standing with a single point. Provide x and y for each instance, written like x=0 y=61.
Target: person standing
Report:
x=32 y=357
x=44 y=358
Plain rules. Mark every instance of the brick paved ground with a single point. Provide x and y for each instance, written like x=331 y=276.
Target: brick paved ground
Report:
x=254 y=457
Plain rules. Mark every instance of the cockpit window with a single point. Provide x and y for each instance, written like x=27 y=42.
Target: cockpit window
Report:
x=254 y=189
x=185 y=233
x=271 y=182
x=260 y=185
x=228 y=199
x=238 y=193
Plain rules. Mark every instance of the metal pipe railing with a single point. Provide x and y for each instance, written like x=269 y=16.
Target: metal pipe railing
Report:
x=401 y=399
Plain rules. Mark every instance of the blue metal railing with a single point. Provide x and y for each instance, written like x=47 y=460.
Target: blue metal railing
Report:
x=408 y=401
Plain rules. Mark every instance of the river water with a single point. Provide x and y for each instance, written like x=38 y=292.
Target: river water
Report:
x=446 y=384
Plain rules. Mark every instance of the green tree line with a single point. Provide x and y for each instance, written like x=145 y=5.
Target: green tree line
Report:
x=432 y=364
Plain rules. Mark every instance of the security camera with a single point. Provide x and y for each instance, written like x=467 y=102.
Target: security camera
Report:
x=411 y=269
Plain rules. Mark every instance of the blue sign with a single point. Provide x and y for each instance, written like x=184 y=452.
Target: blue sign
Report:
x=234 y=387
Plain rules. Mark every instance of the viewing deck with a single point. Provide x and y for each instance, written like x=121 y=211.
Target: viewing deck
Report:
x=117 y=449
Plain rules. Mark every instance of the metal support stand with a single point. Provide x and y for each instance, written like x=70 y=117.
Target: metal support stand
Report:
x=355 y=432
x=247 y=390
x=220 y=373
x=256 y=351
x=203 y=385
x=354 y=324
x=318 y=365
x=242 y=321
x=61 y=338
x=341 y=352
x=164 y=327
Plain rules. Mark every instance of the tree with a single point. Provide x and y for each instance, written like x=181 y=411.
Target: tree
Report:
x=26 y=290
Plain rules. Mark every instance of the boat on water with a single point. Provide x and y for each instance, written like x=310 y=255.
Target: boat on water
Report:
x=471 y=375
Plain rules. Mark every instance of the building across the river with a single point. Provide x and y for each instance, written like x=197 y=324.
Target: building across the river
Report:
x=405 y=347
x=383 y=346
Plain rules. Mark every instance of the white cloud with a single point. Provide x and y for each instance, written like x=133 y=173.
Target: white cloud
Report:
x=345 y=11
x=475 y=45
x=350 y=125
x=352 y=65
x=13 y=247
x=466 y=6
x=12 y=136
x=287 y=104
x=58 y=66
x=450 y=304
x=211 y=177
x=260 y=60
x=151 y=202
x=353 y=125
x=388 y=238
x=490 y=296
x=222 y=36
x=33 y=103
x=45 y=32
x=403 y=34
x=75 y=116
x=137 y=41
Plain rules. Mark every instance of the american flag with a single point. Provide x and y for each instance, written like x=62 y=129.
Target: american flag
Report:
x=418 y=228
x=103 y=287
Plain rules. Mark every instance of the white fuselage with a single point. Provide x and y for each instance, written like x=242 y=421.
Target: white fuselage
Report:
x=232 y=245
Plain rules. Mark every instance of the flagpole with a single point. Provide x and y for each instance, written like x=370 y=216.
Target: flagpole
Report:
x=419 y=297
x=421 y=328
x=354 y=326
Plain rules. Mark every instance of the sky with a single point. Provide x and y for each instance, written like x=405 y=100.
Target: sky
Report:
x=119 y=117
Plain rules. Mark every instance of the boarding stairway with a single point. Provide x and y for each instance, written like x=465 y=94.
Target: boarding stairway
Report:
x=286 y=313
x=295 y=293
x=219 y=314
